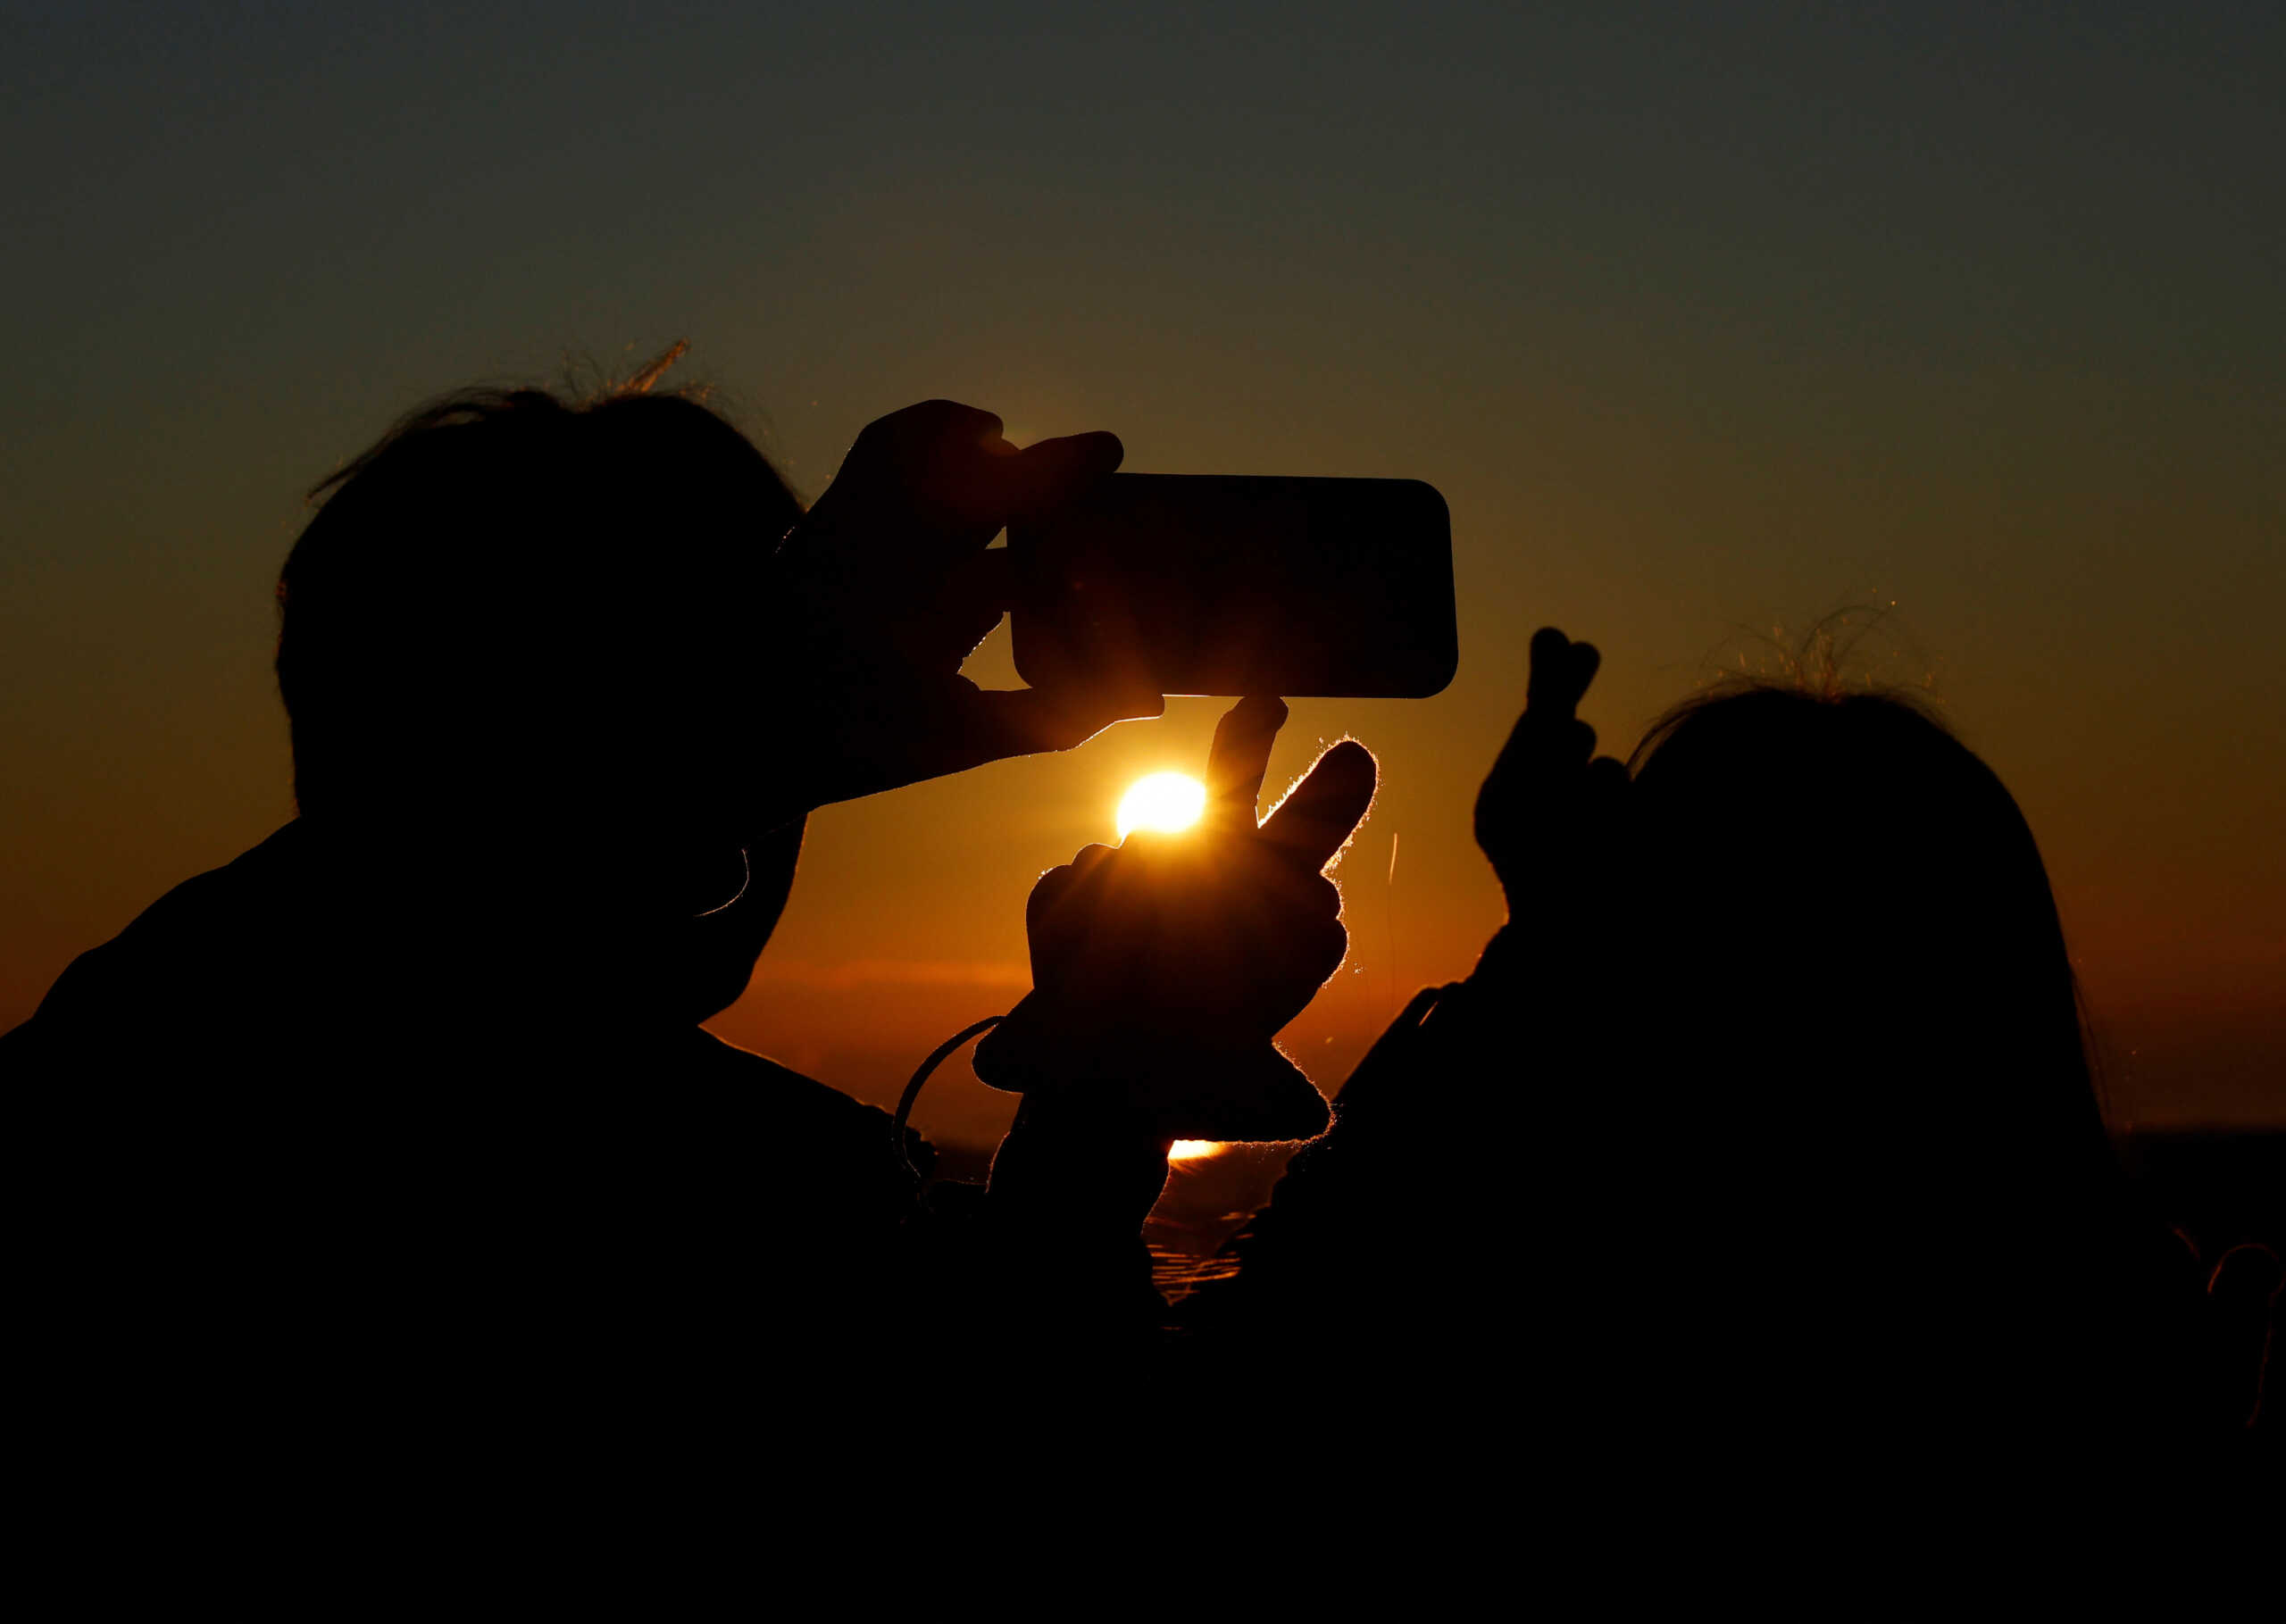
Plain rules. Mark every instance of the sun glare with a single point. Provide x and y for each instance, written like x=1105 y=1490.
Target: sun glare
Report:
x=1194 y=1150
x=1167 y=802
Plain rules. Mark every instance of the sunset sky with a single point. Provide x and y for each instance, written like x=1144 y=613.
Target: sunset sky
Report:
x=1706 y=320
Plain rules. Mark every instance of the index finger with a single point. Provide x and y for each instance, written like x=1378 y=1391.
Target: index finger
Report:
x=1050 y=473
x=927 y=478
x=1237 y=759
x=1317 y=818
x=993 y=724
x=1561 y=672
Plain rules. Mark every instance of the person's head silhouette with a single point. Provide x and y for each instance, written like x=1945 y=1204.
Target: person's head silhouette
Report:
x=1873 y=1042
x=520 y=639
x=1849 y=884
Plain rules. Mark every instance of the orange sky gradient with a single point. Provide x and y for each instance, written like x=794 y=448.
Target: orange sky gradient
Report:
x=1704 y=326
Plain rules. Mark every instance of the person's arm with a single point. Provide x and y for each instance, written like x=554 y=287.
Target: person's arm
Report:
x=1162 y=971
x=1460 y=1133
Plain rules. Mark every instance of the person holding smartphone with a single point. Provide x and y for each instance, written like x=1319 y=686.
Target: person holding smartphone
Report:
x=400 y=1130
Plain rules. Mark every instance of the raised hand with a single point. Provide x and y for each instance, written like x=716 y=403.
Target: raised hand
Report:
x=1549 y=812
x=889 y=583
x=1163 y=969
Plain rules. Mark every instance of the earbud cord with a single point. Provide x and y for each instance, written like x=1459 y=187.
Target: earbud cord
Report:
x=745 y=878
x=912 y=1090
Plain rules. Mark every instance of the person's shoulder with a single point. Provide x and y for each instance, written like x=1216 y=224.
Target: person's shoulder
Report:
x=229 y=900
x=717 y=1060
x=201 y=931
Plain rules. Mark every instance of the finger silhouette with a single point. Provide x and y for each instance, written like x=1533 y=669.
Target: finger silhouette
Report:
x=940 y=442
x=1090 y=857
x=1317 y=820
x=1536 y=741
x=1002 y=722
x=939 y=464
x=1237 y=759
x=1561 y=672
x=1056 y=886
x=1043 y=476
x=934 y=422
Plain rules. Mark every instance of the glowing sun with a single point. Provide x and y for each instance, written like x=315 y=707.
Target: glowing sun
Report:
x=1167 y=802
x=1194 y=1150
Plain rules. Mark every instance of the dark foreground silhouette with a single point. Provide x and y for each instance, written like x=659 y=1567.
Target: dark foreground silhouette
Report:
x=397 y=1141
x=399 y=1135
x=1765 y=1129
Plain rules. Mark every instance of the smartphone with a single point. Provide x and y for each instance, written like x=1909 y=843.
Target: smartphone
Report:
x=1230 y=585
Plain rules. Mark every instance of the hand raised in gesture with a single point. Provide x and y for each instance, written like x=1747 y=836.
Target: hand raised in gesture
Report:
x=1164 y=968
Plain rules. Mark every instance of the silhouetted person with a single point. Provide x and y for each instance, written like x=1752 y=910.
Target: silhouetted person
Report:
x=1164 y=968
x=1765 y=1129
x=399 y=1132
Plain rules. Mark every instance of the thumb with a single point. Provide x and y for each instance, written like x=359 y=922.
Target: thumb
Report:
x=1003 y=722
